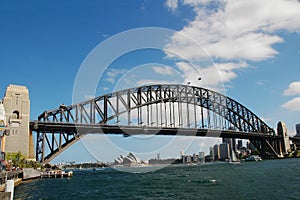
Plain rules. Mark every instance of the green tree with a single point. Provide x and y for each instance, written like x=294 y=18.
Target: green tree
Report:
x=255 y=152
x=295 y=153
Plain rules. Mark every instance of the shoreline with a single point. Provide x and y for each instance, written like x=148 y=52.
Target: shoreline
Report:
x=17 y=181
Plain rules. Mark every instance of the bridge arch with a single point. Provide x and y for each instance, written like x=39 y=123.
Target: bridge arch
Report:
x=111 y=106
x=177 y=106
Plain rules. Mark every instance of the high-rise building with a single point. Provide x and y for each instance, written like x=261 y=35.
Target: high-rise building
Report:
x=240 y=144
x=248 y=145
x=201 y=157
x=224 y=151
x=158 y=156
x=211 y=153
x=298 y=130
x=181 y=153
x=234 y=145
x=251 y=147
x=231 y=142
x=216 y=152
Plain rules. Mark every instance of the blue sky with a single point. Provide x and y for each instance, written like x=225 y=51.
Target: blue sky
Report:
x=249 y=50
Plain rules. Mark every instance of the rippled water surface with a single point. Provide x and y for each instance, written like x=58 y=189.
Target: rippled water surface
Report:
x=268 y=179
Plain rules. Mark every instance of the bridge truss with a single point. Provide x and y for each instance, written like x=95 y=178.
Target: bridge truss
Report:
x=154 y=109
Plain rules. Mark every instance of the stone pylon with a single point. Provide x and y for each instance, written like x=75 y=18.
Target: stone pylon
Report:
x=282 y=131
x=17 y=108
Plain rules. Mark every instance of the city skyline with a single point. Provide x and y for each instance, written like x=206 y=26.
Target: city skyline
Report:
x=249 y=51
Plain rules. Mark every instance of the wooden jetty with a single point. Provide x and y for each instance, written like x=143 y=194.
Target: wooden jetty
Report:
x=56 y=174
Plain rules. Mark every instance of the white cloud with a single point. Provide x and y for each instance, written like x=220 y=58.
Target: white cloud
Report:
x=293 y=104
x=153 y=82
x=172 y=4
x=232 y=33
x=260 y=83
x=185 y=72
x=111 y=80
x=267 y=15
x=166 y=70
x=237 y=30
x=213 y=76
x=113 y=73
x=267 y=119
x=195 y=2
x=88 y=97
x=293 y=89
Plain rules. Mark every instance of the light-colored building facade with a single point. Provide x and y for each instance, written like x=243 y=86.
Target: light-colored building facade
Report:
x=202 y=157
x=17 y=108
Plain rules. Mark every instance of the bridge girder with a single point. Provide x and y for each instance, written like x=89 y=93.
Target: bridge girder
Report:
x=176 y=106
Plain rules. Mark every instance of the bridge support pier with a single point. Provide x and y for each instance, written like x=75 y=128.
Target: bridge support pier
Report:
x=285 y=141
x=268 y=148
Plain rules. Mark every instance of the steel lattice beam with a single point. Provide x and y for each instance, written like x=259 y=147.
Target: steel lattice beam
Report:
x=155 y=106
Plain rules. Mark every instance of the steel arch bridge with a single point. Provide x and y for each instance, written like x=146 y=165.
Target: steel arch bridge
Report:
x=154 y=109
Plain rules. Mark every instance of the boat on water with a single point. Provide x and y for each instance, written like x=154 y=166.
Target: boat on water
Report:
x=253 y=158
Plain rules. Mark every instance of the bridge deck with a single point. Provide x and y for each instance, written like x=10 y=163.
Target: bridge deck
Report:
x=50 y=127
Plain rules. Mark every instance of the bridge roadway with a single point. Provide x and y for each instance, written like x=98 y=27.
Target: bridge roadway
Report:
x=82 y=129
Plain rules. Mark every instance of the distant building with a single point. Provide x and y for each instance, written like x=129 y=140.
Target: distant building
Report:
x=231 y=142
x=164 y=161
x=158 y=156
x=208 y=158
x=195 y=158
x=240 y=144
x=216 y=152
x=211 y=153
x=251 y=147
x=298 y=130
x=186 y=159
x=201 y=157
x=181 y=153
x=224 y=151
x=130 y=159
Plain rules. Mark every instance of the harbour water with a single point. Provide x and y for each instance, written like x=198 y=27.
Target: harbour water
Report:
x=267 y=179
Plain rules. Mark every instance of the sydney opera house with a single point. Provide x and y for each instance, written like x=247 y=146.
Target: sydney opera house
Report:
x=130 y=159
